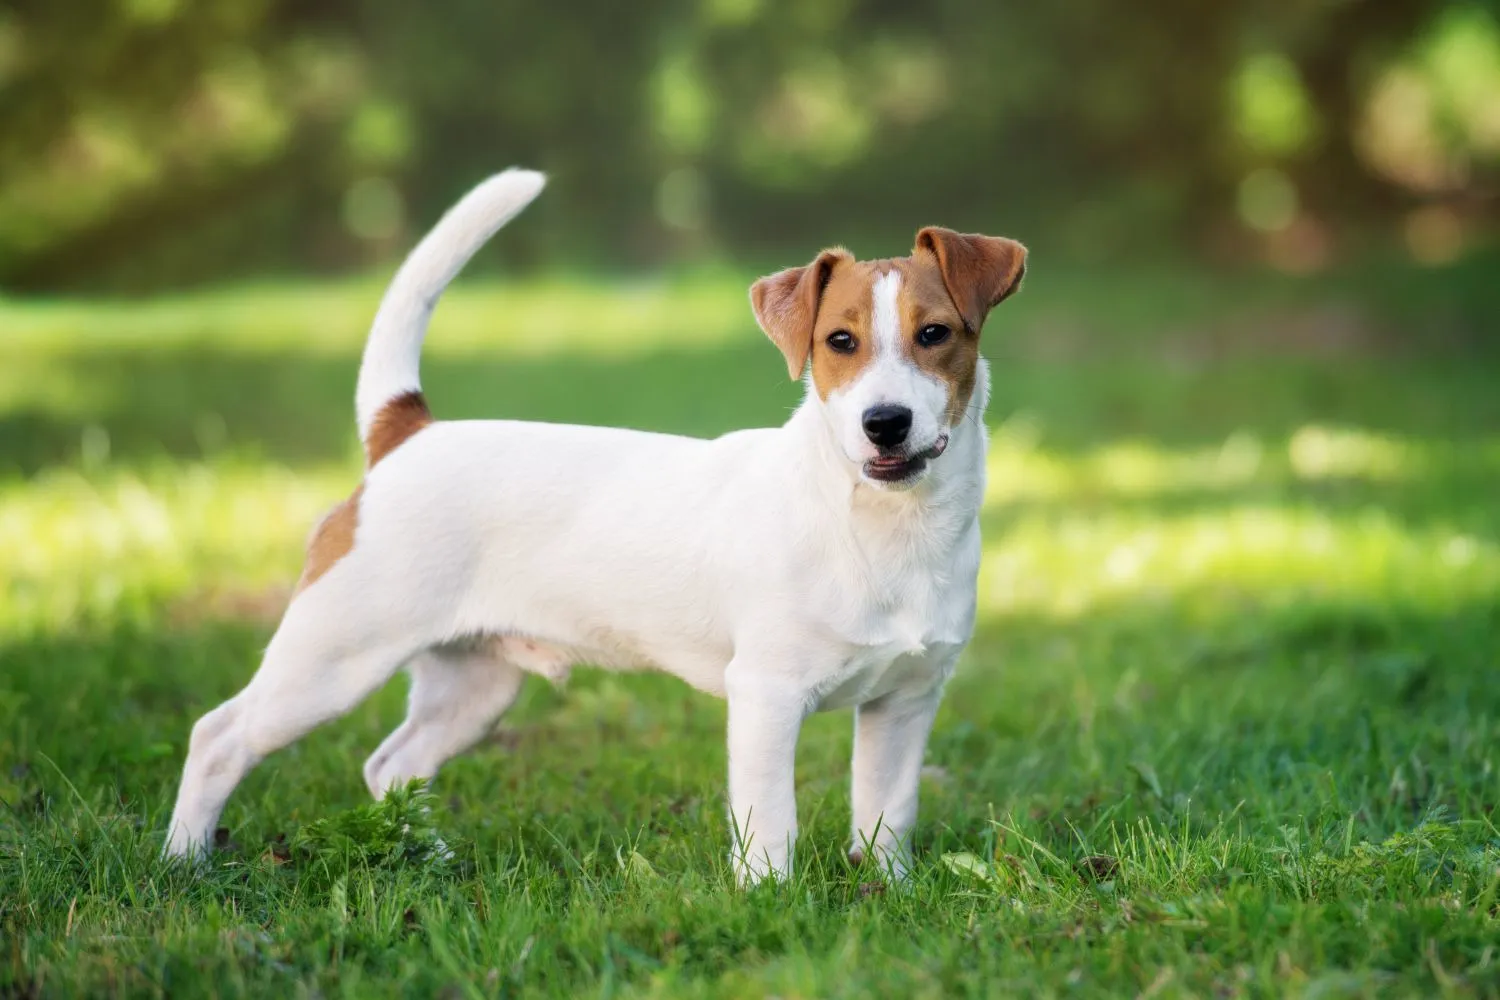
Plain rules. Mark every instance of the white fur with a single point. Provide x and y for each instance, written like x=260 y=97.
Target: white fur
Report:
x=393 y=354
x=885 y=315
x=760 y=566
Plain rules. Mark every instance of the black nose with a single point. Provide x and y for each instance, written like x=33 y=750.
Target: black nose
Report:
x=887 y=425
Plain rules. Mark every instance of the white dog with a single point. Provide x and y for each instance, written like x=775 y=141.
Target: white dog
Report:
x=830 y=562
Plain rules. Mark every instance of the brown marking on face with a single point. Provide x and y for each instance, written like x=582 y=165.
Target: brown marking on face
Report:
x=951 y=278
x=848 y=305
x=922 y=301
x=333 y=538
x=979 y=272
x=787 y=303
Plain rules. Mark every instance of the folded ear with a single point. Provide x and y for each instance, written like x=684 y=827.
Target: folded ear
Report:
x=980 y=271
x=786 y=304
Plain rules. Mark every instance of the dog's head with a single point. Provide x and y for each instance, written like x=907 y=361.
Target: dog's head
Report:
x=894 y=344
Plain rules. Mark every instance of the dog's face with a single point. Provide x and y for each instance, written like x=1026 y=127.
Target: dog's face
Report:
x=894 y=343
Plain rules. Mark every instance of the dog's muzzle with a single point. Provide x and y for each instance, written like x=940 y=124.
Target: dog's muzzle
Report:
x=900 y=468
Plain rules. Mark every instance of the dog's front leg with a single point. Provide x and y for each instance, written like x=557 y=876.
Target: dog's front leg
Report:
x=890 y=737
x=765 y=719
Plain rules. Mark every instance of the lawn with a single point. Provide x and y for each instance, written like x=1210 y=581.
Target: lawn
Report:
x=1229 y=725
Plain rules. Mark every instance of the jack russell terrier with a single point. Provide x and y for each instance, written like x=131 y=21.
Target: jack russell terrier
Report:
x=827 y=563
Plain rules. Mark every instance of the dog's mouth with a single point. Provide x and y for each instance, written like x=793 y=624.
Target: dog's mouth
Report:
x=903 y=468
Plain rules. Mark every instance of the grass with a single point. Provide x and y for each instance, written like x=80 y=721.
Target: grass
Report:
x=1229 y=725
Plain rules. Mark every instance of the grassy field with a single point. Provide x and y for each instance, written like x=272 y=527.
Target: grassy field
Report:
x=1230 y=724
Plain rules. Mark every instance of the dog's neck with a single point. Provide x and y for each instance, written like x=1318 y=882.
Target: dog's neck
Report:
x=952 y=491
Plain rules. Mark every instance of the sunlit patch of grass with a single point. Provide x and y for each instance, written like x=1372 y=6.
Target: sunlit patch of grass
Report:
x=1339 y=452
x=1068 y=533
x=77 y=548
x=1021 y=468
x=91 y=546
x=1227 y=555
x=95 y=546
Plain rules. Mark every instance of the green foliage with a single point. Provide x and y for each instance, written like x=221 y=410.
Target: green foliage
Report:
x=395 y=831
x=156 y=143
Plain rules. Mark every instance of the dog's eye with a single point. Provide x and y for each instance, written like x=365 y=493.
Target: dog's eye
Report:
x=841 y=341
x=932 y=334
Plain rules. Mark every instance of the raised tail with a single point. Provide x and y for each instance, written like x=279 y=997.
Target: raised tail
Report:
x=389 y=394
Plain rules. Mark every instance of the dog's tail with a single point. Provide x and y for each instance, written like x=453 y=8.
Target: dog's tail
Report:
x=388 y=399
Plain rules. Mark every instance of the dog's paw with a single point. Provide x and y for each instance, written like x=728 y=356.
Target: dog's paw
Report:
x=185 y=850
x=751 y=870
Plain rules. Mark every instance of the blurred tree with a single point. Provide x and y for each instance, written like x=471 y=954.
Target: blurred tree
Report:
x=148 y=142
x=1338 y=50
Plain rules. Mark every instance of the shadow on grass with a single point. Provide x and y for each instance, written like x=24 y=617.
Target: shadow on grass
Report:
x=297 y=407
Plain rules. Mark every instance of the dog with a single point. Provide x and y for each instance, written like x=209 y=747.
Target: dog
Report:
x=827 y=563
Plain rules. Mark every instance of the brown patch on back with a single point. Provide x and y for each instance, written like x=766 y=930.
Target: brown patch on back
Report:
x=333 y=538
x=397 y=420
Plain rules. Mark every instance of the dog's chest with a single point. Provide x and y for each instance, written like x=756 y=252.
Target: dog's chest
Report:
x=874 y=671
x=903 y=625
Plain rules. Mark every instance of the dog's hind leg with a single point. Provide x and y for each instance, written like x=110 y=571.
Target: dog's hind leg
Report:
x=458 y=693
x=330 y=652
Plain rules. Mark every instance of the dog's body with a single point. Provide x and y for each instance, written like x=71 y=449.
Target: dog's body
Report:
x=772 y=567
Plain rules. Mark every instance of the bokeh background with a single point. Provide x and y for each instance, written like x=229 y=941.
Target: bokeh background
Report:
x=145 y=144
x=1241 y=593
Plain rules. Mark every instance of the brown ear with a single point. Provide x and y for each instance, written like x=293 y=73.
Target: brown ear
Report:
x=980 y=271
x=786 y=305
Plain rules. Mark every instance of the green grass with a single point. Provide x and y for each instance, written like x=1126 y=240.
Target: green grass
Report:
x=1229 y=726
